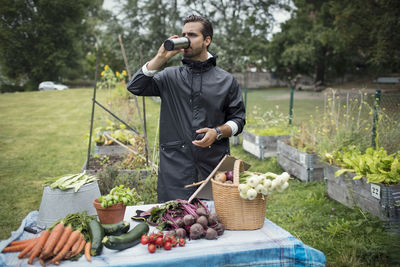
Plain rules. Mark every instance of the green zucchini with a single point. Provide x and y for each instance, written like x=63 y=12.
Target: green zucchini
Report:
x=130 y=239
x=96 y=232
x=116 y=228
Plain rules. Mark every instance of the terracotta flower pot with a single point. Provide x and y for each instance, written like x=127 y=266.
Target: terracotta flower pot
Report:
x=110 y=215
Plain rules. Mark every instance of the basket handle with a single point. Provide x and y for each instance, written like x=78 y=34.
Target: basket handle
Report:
x=237 y=168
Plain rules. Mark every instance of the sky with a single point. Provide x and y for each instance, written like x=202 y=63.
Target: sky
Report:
x=279 y=15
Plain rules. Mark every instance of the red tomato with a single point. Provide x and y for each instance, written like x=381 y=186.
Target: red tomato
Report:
x=160 y=234
x=152 y=238
x=167 y=238
x=174 y=242
x=182 y=242
x=167 y=245
x=151 y=248
x=159 y=241
x=144 y=239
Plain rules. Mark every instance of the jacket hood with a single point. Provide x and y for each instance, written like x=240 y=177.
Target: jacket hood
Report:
x=201 y=66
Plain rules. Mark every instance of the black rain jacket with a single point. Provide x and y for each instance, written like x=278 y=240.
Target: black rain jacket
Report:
x=193 y=96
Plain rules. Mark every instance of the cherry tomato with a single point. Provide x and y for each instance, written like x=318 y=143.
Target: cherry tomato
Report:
x=151 y=248
x=167 y=245
x=152 y=238
x=144 y=239
x=160 y=234
x=159 y=241
x=167 y=238
x=174 y=242
x=182 y=242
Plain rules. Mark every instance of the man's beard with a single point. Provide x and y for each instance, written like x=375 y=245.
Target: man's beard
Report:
x=192 y=53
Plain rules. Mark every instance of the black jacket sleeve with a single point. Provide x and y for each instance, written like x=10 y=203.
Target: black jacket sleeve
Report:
x=143 y=85
x=235 y=107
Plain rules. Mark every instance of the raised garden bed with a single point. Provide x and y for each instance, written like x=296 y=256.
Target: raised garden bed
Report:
x=261 y=146
x=378 y=199
x=305 y=166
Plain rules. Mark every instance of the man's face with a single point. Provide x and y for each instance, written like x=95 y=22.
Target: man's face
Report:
x=198 y=44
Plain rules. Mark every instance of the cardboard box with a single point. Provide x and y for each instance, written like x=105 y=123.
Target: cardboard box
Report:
x=205 y=191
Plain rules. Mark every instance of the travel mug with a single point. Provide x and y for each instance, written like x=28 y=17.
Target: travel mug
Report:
x=176 y=43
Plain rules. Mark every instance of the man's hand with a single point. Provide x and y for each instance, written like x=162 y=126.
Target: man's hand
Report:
x=208 y=139
x=163 y=56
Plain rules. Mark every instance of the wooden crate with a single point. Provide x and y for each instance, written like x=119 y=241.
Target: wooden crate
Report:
x=261 y=146
x=378 y=199
x=306 y=167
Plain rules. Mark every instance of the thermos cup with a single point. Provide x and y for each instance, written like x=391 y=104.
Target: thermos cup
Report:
x=176 y=43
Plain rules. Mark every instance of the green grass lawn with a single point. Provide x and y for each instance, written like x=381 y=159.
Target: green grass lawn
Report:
x=43 y=135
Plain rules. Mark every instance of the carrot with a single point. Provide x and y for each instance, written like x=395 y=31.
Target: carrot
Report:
x=75 y=247
x=71 y=241
x=15 y=248
x=64 y=237
x=80 y=248
x=88 y=246
x=18 y=242
x=52 y=240
x=39 y=245
x=28 y=248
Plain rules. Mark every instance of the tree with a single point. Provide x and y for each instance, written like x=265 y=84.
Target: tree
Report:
x=44 y=40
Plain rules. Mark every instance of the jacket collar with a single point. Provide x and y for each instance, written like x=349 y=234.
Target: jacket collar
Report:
x=199 y=66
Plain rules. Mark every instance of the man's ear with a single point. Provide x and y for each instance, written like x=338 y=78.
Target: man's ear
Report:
x=207 y=41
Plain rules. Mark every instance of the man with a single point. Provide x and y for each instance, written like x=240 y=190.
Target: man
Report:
x=196 y=98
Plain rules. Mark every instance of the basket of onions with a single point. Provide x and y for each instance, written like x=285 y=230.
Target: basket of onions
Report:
x=241 y=202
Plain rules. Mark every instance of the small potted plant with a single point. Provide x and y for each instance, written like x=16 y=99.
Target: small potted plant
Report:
x=111 y=207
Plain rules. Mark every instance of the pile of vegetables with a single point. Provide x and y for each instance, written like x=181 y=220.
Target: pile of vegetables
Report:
x=376 y=165
x=120 y=194
x=70 y=181
x=225 y=177
x=159 y=240
x=183 y=219
x=67 y=238
x=253 y=183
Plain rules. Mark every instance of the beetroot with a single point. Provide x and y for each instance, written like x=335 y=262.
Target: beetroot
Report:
x=171 y=232
x=211 y=234
x=188 y=220
x=179 y=222
x=201 y=211
x=203 y=221
x=220 y=228
x=196 y=231
x=212 y=219
x=180 y=232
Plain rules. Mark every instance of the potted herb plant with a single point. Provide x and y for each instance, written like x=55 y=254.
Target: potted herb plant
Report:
x=111 y=207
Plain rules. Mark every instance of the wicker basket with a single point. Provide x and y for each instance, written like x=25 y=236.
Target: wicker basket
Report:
x=235 y=212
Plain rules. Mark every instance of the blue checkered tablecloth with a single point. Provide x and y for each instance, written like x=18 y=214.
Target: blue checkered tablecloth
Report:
x=268 y=246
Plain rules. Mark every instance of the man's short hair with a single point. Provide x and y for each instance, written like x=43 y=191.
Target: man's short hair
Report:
x=207 y=26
